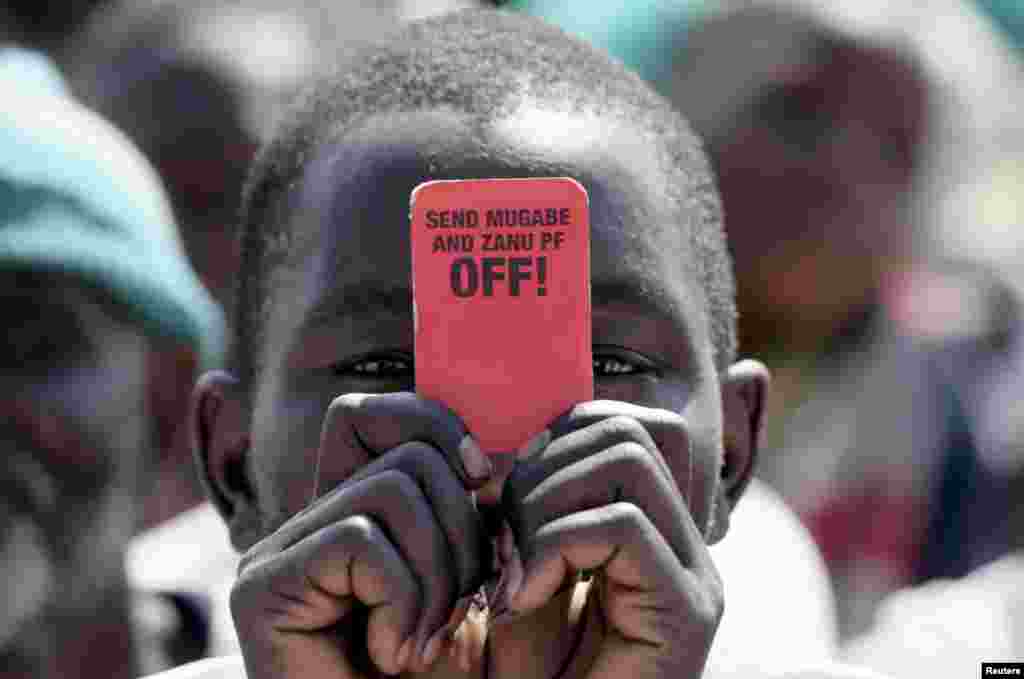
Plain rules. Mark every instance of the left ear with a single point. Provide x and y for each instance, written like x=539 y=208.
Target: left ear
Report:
x=744 y=397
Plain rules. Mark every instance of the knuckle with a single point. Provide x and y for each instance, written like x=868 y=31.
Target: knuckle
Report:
x=633 y=465
x=258 y=552
x=708 y=601
x=245 y=561
x=630 y=514
x=246 y=592
x=580 y=410
x=397 y=482
x=416 y=457
x=633 y=454
x=626 y=428
x=628 y=520
x=598 y=407
x=711 y=609
x=677 y=432
x=619 y=523
x=356 y=530
x=716 y=591
x=576 y=417
x=240 y=593
x=345 y=405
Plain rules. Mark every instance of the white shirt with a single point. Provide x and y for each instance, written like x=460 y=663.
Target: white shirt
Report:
x=948 y=628
x=768 y=562
x=232 y=667
x=189 y=553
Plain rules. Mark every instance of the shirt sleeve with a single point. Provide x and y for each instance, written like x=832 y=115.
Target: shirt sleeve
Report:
x=226 y=667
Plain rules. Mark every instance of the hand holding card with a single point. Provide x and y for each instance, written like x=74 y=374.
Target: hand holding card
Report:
x=501 y=285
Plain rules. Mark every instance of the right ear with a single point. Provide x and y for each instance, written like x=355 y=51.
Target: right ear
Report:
x=220 y=437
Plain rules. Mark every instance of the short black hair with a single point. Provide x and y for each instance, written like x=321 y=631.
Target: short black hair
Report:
x=481 y=63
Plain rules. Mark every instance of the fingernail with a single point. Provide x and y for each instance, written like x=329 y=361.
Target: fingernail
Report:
x=477 y=466
x=433 y=648
x=512 y=575
x=459 y=612
x=536 y=444
x=404 y=653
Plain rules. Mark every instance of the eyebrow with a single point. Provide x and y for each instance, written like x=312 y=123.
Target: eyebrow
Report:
x=370 y=299
x=614 y=292
x=367 y=299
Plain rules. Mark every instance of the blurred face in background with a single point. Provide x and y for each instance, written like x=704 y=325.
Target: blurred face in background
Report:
x=816 y=160
x=186 y=117
x=73 y=437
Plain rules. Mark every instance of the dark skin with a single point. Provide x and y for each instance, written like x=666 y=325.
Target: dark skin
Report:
x=80 y=426
x=837 y=169
x=374 y=576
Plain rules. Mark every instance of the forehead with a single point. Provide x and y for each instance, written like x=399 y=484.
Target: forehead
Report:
x=355 y=194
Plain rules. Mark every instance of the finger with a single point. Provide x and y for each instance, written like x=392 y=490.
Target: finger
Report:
x=375 y=423
x=667 y=429
x=452 y=507
x=311 y=586
x=658 y=421
x=646 y=586
x=625 y=472
x=661 y=618
x=573 y=445
x=398 y=505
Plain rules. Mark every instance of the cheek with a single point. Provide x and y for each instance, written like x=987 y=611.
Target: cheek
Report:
x=87 y=431
x=66 y=545
x=290 y=470
x=26 y=575
x=664 y=393
x=110 y=440
x=696 y=471
x=285 y=439
x=93 y=564
x=704 y=417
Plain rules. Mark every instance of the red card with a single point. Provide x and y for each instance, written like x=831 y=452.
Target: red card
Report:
x=501 y=289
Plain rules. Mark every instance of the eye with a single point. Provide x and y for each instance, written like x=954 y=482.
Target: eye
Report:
x=41 y=336
x=610 y=362
x=612 y=366
x=376 y=366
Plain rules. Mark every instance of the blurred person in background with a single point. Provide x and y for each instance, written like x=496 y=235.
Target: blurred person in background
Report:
x=643 y=35
x=820 y=137
x=43 y=25
x=197 y=87
x=105 y=328
x=133 y=64
x=229 y=412
x=945 y=628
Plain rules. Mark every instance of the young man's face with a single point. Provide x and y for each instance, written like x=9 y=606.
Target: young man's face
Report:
x=72 y=435
x=340 y=316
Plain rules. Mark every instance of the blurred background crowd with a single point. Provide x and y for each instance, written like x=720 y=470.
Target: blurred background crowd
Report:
x=870 y=155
